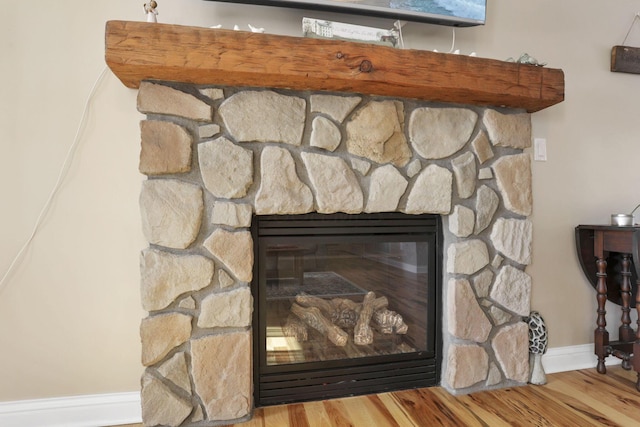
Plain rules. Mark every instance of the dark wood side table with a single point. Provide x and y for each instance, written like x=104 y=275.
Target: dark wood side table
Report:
x=609 y=257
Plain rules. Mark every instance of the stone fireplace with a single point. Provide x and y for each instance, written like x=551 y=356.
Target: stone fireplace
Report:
x=216 y=153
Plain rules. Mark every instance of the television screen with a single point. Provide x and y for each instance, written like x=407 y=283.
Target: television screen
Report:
x=460 y=13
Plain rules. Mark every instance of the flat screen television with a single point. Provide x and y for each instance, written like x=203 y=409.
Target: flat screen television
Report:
x=459 y=13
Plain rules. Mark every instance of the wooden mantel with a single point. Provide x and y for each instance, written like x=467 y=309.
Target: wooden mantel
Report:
x=137 y=51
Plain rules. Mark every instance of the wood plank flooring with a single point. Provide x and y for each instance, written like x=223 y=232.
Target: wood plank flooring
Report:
x=575 y=398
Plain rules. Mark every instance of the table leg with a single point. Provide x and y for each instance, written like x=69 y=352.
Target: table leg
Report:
x=627 y=333
x=601 y=335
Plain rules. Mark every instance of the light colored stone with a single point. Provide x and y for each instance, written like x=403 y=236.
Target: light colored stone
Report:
x=361 y=166
x=497 y=261
x=481 y=147
x=466 y=365
x=208 y=130
x=224 y=280
x=212 y=92
x=431 y=192
x=466 y=320
x=188 y=303
x=487 y=202
x=386 y=187
x=226 y=169
x=160 y=99
x=160 y=334
x=494 y=376
x=324 y=134
x=513 y=238
x=338 y=107
x=227 y=309
x=198 y=415
x=467 y=257
x=221 y=366
x=482 y=283
x=508 y=130
x=281 y=191
x=465 y=171
x=234 y=250
x=165 y=148
x=461 y=221
x=512 y=290
x=513 y=174
x=171 y=212
x=334 y=184
x=176 y=371
x=375 y=132
x=165 y=276
x=160 y=406
x=485 y=173
x=499 y=316
x=436 y=133
x=264 y=116
x=232 y=214
x=511 y=347
x=414 y=168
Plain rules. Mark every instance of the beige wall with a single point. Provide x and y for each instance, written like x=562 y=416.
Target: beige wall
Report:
x=70 y=311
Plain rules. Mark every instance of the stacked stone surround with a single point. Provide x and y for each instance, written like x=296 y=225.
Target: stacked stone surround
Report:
x=216 y=156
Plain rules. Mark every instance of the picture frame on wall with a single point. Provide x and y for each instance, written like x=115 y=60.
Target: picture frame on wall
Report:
x=459 y=13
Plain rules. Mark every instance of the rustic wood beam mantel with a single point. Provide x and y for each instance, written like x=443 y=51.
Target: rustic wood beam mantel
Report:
x=137 y=51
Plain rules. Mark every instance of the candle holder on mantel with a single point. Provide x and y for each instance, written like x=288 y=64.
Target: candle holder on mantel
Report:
x=623 y=220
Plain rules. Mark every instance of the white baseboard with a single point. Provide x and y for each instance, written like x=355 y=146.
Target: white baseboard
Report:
x=124 y=408
x=76 y=411
x=572 y=358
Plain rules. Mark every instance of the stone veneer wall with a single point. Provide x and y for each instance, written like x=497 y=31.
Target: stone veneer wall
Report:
x=214 y=156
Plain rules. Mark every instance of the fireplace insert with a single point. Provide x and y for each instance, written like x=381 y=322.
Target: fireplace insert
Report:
x=345 y=305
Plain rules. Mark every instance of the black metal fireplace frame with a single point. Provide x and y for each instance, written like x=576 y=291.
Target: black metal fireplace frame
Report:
x=347 y=377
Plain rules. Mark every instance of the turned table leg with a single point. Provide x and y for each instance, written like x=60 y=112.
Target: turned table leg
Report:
x=627 y=333
x=601 y=335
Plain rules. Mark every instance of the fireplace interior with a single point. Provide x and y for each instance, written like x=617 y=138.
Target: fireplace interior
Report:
x=345 y=305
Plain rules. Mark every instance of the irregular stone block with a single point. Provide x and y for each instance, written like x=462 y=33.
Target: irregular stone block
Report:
x=494 y=376
x=414 y=168
x=171 y=212
x=487 y=202
x=226 y=169
x=334 y=183
x=338 y=107
x=208 y=130
x=481 y=147
x=386 y=187
x=431 y=192
x=467 y=257
x=508 y=130
x=513 y=174
x=466 y=320
x=466 y=365
x=324 y=134
x=482 y=283
x=165 y=148
x=375 y=132
x=485 y=173
x=436 y=133
x=160 y=334
x=234 y=250
x=224 y=280
x=160 y=406
x=189 y=303
x=499 y=316
x=497 y=261
x=176 y=371
x=215 y=312
x=232 y=214
x=464 y=169
x=212 y=92
x=513 y=238
x=165 y=276
x=159 y=99
x=264 y=116
x=461 y=221
x=512 y=290
x=221 y=366
x=361 y=166
x=511 y=347
x=281 y=191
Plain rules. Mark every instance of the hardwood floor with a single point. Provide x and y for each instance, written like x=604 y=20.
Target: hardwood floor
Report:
x=575 y=398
